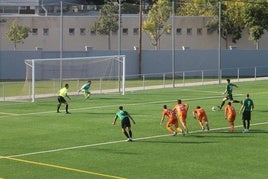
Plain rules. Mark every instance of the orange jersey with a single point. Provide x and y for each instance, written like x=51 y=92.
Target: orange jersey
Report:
x=201 y=114
x=170 y=114
x=230 y=112
x=172 y=118
x=181 y=108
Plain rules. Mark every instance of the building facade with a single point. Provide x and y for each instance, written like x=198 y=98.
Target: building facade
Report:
x=67 y=33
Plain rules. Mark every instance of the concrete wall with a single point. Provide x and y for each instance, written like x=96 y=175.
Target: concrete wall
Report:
x=153 y=62
x=56 y=34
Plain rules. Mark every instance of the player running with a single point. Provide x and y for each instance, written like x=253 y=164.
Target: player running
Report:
x=200 y=114
x=172 y=121
x=86 y=89
x=125 y=117
x=229 y=93
x=230 y=115
x=182 y=110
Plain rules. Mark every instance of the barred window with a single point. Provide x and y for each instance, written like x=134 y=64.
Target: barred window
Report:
x=178 y=31
x=71 y=31
x=35 y=31
x=45 y=31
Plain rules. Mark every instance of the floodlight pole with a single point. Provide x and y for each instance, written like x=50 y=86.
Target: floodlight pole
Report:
x=140 y=36
x=119 y=27
x=219 y=46
x=173 y=45
x=61 y=41
x=119 y=43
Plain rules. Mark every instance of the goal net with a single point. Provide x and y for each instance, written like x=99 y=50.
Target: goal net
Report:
x=44 y=77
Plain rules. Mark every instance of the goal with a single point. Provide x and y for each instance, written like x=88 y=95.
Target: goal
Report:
x=44 y=77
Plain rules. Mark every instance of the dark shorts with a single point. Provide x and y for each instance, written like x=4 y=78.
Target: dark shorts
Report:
x=246 y=115
x=61 y=99
x=125 y=122
x=230 y=97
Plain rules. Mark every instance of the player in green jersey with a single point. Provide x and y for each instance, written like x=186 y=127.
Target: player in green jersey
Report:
x=229 y=93
x=62 y=93
x=124 y=117
x=247 y=107
x=86 y=89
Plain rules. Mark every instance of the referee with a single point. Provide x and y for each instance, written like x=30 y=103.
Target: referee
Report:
x=61 y=98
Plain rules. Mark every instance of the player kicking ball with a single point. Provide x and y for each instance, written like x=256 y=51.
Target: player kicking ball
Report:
x=229 y=93
x=86 y=89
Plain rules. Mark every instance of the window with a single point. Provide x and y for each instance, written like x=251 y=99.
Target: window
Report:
x=92 y=32
x=136 y=31
x=82 y=31
x=189 y=31
x=71 y=31
x=178 y=31
x=45 y=31
x=199 y=31
x=35 y=31
x=125 y=31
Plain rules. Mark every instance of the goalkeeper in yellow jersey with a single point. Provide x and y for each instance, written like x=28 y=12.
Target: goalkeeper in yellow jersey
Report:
x=86 y=89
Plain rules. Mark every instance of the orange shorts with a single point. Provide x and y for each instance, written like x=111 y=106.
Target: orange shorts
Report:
x=172 y=122
x=183 y=118
x=231 y=118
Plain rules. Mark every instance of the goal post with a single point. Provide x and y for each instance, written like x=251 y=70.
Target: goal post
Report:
x=44 y=77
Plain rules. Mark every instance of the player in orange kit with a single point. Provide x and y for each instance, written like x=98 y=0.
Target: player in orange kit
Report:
x=172 y=121
x=230 y=115
x=200 y=114
x=182 y=109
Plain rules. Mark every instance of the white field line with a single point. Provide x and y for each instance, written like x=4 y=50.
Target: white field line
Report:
x=112 y=142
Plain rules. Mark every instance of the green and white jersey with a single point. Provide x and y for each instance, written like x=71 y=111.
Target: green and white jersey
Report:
x=86 y=87
x=229 y=89
x=122 y=114
x=248 y=104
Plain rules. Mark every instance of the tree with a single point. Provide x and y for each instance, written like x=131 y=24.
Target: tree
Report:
x=256 y=19
x=155 y=25
x=197 y=8
x=17 y=33
x=231 y=21
x=231 y=16
x=107 y=21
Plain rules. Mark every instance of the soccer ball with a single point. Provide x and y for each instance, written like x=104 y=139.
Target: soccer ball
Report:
x=214 y=108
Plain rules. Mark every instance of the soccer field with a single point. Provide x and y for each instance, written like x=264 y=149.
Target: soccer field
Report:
x=37 y=142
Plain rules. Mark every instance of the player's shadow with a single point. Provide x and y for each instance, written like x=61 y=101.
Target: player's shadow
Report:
x=109 y=150
x=177 y=142
x=228 y=135
x=258 y=131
